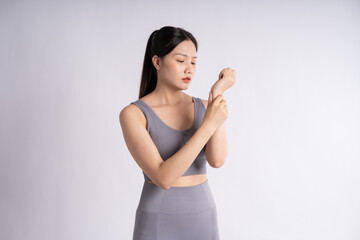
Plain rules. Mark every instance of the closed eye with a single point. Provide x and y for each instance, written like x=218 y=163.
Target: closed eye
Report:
x=183 y=61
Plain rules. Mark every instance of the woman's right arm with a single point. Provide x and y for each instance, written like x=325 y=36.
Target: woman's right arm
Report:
x=145 y=153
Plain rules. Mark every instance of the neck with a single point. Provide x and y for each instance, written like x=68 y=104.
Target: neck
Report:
x=167 y=96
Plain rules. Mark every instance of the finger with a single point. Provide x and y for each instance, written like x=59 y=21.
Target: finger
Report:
x=218 y=99
x=223 y=105
x=225 y=71
x=221 y=74
x=223 y=101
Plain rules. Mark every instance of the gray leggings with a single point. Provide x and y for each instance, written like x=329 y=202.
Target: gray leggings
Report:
x=179 y=213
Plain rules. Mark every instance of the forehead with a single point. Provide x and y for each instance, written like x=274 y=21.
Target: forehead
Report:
x=185 y=48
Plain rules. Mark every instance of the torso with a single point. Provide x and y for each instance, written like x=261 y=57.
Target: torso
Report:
x=167 y=114
x=186 y=181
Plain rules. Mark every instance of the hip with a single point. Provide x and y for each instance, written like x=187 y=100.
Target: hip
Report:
x=176 y=200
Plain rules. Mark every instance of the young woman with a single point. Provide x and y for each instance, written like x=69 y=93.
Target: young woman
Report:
x=171 y=135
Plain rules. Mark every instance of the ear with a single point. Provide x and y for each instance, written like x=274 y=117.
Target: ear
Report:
x=156 y=61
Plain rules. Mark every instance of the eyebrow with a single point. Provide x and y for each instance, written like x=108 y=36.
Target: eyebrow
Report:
x=183 y=54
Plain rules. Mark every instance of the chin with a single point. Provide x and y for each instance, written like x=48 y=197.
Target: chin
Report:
x=182 y=85
x=186 y=86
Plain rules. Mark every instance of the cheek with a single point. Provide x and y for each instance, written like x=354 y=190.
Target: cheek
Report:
x=173 y=67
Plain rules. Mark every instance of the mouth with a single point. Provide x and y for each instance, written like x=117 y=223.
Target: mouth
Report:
x=186 y=79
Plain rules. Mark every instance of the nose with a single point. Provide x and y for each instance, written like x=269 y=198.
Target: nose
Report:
x=189 y=68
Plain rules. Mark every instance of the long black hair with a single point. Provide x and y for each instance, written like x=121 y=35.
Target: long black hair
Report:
x=160 y=43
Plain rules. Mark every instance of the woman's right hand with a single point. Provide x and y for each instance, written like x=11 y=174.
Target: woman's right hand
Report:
x=216 y=112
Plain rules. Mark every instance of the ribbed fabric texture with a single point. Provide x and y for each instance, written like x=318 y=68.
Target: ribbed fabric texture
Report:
x=169 y=140
x=179 y=213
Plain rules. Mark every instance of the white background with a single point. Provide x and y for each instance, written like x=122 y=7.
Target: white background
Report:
x=67 y=68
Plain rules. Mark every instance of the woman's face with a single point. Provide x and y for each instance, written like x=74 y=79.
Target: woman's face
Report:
x=178 y=64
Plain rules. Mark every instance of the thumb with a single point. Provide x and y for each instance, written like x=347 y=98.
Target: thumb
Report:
x=210 y=98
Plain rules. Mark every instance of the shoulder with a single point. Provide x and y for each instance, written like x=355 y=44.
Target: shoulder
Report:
x=131 y=113
x=128 y=111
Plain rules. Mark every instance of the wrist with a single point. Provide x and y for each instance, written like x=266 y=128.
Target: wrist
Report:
x=209 y=131
x=216 y=92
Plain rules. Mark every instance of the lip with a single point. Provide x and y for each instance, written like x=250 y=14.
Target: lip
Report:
x=186 y=79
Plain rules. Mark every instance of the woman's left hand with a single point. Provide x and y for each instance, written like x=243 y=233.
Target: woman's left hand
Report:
x=225 y=81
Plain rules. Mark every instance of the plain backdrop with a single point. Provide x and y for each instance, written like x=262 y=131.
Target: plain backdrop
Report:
x=67 y=69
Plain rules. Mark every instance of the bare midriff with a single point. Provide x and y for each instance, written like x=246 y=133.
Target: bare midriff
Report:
x=187 y=181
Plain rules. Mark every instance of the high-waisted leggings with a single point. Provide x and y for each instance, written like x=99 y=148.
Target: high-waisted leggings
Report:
x=179 y=213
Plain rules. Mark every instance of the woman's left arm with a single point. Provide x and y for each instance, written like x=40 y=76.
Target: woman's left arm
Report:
x=217 y=148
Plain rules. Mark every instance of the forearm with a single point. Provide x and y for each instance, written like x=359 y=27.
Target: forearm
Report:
x=216 y=148
x=175 y=166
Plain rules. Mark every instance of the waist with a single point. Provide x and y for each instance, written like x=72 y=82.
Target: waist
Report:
x=187 y=181
x=176 y=200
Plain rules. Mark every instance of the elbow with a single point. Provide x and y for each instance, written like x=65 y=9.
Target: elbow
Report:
x=216 y=160
x=162 y=182
x=163 y=185
x=217 y=164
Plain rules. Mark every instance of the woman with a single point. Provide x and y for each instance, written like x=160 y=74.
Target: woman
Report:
x=171 y=136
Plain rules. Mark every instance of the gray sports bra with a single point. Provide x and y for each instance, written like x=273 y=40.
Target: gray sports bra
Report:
x=169 y=140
